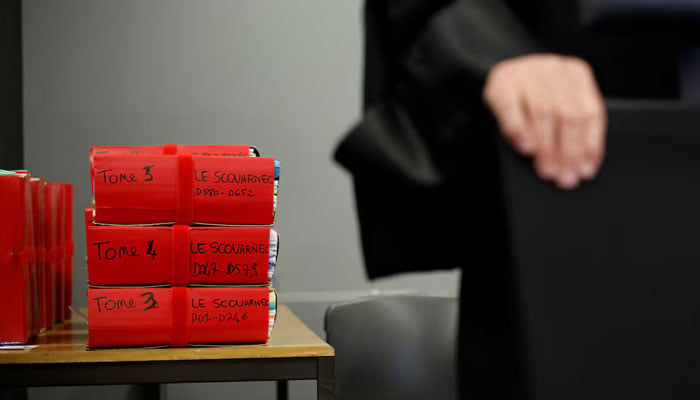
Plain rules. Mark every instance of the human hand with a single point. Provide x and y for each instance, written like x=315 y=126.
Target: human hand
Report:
x=549 y=107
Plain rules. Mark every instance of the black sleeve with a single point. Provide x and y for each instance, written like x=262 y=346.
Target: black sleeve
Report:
x=426 y=128
x=432 y=88
x=460 y=44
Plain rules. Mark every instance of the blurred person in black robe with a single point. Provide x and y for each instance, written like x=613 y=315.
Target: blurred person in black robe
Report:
x=442 y=80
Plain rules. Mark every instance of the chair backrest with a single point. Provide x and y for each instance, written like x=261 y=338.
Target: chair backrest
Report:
x=394 y=347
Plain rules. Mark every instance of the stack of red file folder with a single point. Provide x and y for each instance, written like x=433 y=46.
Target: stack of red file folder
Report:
x=36 y=255
x=181 y=248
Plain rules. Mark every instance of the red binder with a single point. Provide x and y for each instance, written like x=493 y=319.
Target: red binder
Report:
x=178 y=316
x=183 y=189
x=68 y=249
x=179 y=255
x=16 y=257
x=38 y=188
x=171 y=149
x=36 y=222
x=55 y=239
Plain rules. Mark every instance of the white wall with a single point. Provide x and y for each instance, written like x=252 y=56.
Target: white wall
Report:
x=282 y=75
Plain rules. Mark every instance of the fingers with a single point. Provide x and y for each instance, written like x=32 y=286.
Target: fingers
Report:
x=542 y=113
x=571 y=122
x=510 y=115
x=550 y=107
x=594 y=120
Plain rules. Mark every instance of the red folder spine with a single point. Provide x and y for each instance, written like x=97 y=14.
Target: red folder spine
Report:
x=121 y=317
x=236 y=191
x=54 y=234
x=225 y=315
x=235 y=255
x=68 y=249
x=38 y=189
x=32 y=272
x=58 y=250
x=183 y=189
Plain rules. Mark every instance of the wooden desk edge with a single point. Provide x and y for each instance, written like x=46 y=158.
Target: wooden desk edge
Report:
x=290 y=339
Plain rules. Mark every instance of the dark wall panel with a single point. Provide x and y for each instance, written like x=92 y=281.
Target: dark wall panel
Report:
x=11 y=146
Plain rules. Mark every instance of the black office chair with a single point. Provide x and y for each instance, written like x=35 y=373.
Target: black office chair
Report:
x=394 y=347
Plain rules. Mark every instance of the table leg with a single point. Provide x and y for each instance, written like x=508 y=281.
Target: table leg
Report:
x=13 y=393
x=145 y=391
x=325 y=382
x=282 y=390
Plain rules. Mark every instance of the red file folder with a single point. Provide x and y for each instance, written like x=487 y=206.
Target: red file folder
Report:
x=55 y=251
x=179 y=255
x=38 y=203
x=172 y=149
x=38 y=274
x=16 y=256
x=183 y=189
x=68 y=249
x=178 y=316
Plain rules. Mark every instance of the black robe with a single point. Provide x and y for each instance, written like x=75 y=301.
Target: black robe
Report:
x=425 y=135
x=425 y=159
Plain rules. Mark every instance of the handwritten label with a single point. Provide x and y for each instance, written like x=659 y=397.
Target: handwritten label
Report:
x=111 y=177
x=226 y=262
x=235 y=178
x=205 y=318
x=229 y=178
x=217 y=247
x=239 y=255
x=211 y=192
x=112 y=303
x=224 y=310
x=234 y=190
x=117 y=177
x=211 y=269
x=134 y=189
x=129 y=255
x=108 y=252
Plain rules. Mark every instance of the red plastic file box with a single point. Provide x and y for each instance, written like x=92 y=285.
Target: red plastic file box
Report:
x=179 y=255
x=178 y=316
x=183 y=189
x=16 y=256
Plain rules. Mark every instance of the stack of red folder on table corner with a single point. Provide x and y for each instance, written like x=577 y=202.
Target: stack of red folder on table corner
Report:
x=36 y=255
x=180 y=244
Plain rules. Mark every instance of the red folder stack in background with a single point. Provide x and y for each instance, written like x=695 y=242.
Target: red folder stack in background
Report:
x=36 y=251
x=180 y=245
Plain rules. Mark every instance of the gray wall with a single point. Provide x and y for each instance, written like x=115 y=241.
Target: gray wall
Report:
x=282 y=75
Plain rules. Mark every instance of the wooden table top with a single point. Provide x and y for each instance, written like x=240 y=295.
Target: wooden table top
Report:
x=66 y=344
